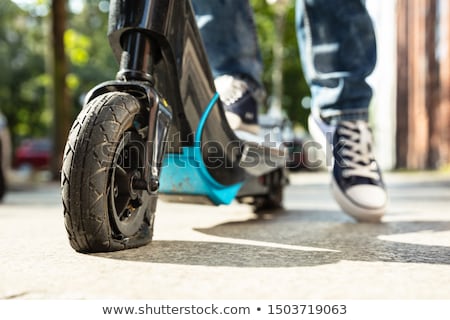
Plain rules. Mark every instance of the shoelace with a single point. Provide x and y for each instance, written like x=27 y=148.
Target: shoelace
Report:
x=357 y=150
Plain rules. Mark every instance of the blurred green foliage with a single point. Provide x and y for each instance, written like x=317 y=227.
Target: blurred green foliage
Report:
x=294 y=84
x=25 y=80
x=23 y=77
x=25 y=60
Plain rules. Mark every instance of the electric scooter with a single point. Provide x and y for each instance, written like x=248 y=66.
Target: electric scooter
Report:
x=157 y=130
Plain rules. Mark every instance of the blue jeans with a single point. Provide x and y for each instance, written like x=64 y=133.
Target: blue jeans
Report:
x=337 y=47
x=229 y=34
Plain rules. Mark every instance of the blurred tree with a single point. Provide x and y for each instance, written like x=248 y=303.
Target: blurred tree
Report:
x=24 y=80
x=91 y=59
x=60 y=95
x=25 y=56
x=294 y=85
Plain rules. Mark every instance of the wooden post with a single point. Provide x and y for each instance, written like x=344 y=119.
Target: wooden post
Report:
x=417 y=64
x=402 y=84
x=432 y=88
x=440 y=132
x=423 y=90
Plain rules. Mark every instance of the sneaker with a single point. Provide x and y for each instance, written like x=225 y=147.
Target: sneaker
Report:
x=357 y=183
x=239 y=96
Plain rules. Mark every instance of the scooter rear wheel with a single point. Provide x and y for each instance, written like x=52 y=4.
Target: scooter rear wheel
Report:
x=273 y=200
x=104 y=154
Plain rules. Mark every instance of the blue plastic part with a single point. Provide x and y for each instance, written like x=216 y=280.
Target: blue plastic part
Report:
x=185 y=173
x=201 y=123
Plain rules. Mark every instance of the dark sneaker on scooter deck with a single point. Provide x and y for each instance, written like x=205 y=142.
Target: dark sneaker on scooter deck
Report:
x=357 y=183
x=239 y=96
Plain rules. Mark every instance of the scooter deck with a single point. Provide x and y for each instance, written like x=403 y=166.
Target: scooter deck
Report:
x=185 y=178
x=184 y=174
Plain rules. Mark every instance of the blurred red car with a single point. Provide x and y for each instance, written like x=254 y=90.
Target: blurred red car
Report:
x=36 y=153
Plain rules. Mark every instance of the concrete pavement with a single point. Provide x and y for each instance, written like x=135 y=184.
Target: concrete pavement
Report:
x=311 y=250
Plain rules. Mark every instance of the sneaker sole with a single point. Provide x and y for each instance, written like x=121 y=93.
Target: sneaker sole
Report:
x=362 y=214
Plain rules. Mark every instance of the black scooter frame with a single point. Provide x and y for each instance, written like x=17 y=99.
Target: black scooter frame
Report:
x=160 y=50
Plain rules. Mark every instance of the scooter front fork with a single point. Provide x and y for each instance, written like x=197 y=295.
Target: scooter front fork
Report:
x=159 y=120
x=159 y=123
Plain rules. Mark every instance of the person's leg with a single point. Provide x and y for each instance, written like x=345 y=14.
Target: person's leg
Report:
x=229 y=35
x=338 y=50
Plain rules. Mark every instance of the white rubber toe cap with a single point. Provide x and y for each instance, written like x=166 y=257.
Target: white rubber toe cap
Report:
x=366 y=203
x=367 y=196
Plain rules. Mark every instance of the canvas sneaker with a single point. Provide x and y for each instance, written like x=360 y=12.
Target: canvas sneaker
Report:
x=240 y=97
x=357 y=183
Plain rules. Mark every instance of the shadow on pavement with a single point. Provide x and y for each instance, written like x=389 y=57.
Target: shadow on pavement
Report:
x=317 y=229
x=219 y=254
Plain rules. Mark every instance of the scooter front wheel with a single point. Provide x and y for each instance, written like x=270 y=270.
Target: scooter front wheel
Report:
x=104 y=155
